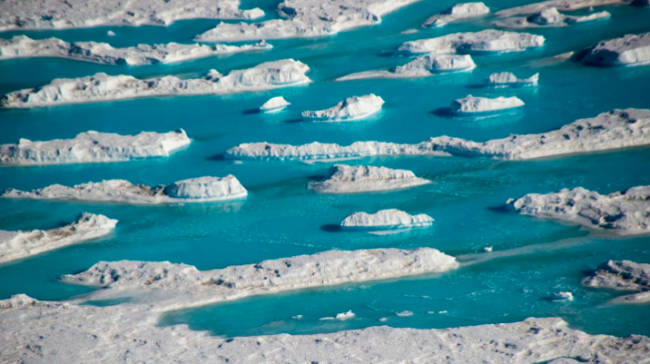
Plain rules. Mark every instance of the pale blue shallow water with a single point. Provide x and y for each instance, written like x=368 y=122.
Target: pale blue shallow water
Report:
x=281 y=217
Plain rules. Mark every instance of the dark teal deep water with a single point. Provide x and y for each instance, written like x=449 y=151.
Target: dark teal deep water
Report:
x=282 y=218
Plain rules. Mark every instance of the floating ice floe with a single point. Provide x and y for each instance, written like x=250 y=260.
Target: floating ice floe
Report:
x=404 y=314
x=21 y=244
x=102 y=87
x=67 y=14
x=624 y=213
x=356 y=179
x=561 y=5
x=630 y=50
x=104 y=53
x=457 y=12
x=203 y=189
x=110 y=33
x=274 y=104
x=385 y=219
x=93 y=147
x=508 y=79
x=422 y=66
x=549 y=17
x=623 y=275
x=563 y=296
x=350 y=109
x=476 y=105
x=489 y=40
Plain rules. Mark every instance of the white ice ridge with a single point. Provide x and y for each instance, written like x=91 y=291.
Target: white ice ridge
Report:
x=350 y=109
x=104 y=53
x=422 y=66
x=202 y=189
x=102 y=87
x=623 y=275
x=630 y=50
x=475 y=105
x=357 y=179
x=549 y=17
x=508 y=79
x=385 y=219
x=63 y=14
x=561 y=5
x=625 y=213
x=457 y=12
x=307 y=18
x=489 y=40
x=275 y=104
x=93 y=147
x=615 y=129
x=21 y=244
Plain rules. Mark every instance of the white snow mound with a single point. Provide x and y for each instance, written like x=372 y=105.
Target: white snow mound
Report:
x=275 y=104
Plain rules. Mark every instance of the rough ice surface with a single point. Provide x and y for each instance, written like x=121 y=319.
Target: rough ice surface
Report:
x=203 y=189
x=473 y=105
x=561 y=5
x=102 y=87
x=275 y=104
x=21 y=244
x=307 y=18
x=563 y=296
x=611 y=130
x=385 y=219
x=104 y=53
x=93 y=147
x=549 y=17
x=422 y=66
x=630 y=50
x=489 y=40
x=623 y=275
x=356 y=179
x=625 y=213
x=457 y=12
x=62 y=14
x=350 y=109
x=508 y=79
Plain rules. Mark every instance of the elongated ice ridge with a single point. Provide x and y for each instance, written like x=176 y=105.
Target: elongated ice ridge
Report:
x=630 y=50
x=623 y=275
x=357 y=179
x=625 y=213
x=508 y=79
x=203 y=189
x=611 y=130
x=104 y=53
x=275 y=104
x=422 y=66
x=102 y=87
x=549 y=17
x=22 y=244
x=385 y=219
x=93 y=147
x=350 y=109
x=476 y=105
x=561 y=5
x=457 y=12
x=489 y=40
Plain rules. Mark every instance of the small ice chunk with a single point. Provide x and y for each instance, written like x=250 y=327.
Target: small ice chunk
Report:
x=385 y=219
x=274 y=104
x=563 y=296
x=345 y=315
x=404 y=313
x=488 y=249
x=473 y=105
x=110 y=33
x=508 y=79
x=350 y=109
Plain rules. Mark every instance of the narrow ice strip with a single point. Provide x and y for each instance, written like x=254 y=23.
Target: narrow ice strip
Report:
x=471 y=105
x=624 y=213
x=93 y=147
x=489 y=40
x=203 y=189
x=102 y=87
x=630 y=50
x=104 y=53
x=508 y=79
x=66 y=14
x=385 y=219
x=22 y=244
x=358 y=179
x=561 y=5
x=351 y=109
x=422 y=66
x=275 y=104
x=549 y=18
x=622 y=275
x=457 y=12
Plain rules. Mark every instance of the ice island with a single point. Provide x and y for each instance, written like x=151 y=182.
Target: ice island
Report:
x=471 y=105
x=351 y=109
x=422 y=66
x=622 y=275
x=630 y=50
x=457 y=12
x=489 y=40
x=385 y=219
x=357 y=179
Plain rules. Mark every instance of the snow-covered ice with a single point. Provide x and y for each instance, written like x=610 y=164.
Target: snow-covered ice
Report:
x=474 y=105
x=508 y=79
x=93 y=147
x=489 y=40
x=21 y=244
x=275 y=104
x=457 y=12
x=422 y=66
x=203 y=189
x=630 y=50
x=561 y=5
x=623 y=275
x=563 y=296
x=104 y=53
x=549 y=17
x=357 y=179
x=385 y=219
x=350 y=109
x=102 y=87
